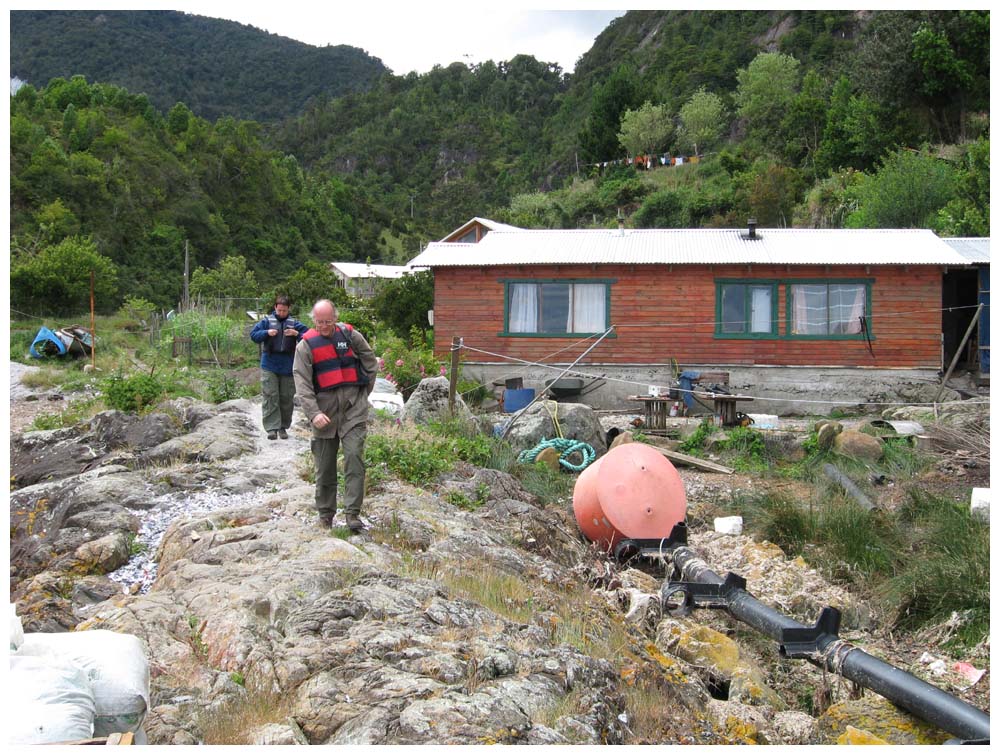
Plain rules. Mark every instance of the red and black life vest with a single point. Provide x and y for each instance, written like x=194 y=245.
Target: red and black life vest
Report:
x=334 y=361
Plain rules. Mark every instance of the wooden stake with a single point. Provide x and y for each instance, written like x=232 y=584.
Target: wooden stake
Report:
x=958 y=353
x=93 y=325
x=456 y=344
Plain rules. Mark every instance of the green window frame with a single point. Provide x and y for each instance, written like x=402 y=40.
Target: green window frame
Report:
x=837 y=296
x=734 y=308
x=546 y=297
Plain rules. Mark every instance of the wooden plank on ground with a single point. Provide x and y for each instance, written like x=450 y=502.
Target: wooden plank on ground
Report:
x=693 y=461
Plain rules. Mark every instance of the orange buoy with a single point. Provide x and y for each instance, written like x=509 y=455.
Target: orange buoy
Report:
x=587 y=508
x=640 y=492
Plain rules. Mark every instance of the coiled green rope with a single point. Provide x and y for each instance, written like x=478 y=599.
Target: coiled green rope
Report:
x=566 y=447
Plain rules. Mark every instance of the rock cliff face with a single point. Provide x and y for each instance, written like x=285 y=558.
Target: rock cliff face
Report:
x=438 y=625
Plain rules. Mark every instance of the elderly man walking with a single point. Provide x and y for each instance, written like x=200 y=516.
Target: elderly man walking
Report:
x=334 y=371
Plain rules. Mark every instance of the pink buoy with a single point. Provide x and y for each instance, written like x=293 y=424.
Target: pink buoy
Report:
x=640 y=492
x=589 y=515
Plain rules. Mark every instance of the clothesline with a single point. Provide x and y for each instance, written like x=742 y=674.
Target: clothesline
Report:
x=648 y=162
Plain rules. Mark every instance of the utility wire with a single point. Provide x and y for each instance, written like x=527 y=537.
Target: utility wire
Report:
x=703 y=392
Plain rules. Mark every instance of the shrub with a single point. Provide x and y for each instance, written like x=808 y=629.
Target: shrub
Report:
x=132 y=394
x=405 y=365
x=696 y=442
x=137 y=308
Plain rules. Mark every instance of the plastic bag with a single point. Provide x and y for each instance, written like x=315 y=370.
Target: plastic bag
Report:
x=54 y=701
x=114 y=663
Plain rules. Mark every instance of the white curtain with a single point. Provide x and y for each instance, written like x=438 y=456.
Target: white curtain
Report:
x=760 y=310
x=809 y=310
x=847 y=305
x=523 y=308
x=586 y=311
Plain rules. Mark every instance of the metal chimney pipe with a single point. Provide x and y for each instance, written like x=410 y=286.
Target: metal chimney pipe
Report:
x=621 y=222
x=752 y=227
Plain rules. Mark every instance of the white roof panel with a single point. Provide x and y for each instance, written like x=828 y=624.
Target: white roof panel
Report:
x=783 y=246
x=361 y=270
x=975 y=250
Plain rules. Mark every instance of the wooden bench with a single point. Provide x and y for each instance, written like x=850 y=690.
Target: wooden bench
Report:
x=714 y=386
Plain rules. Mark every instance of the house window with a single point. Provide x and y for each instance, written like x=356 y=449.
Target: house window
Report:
x=828 y=309
x=468 y=238
x=746 y=309
x=557 y=307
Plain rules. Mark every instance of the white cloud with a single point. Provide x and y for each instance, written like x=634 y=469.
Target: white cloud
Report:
x=408 y=38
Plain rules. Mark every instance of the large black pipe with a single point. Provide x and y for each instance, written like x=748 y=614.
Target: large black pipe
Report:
x=899 y=687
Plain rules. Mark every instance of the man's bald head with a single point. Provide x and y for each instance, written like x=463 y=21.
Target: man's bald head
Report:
x=324 y=316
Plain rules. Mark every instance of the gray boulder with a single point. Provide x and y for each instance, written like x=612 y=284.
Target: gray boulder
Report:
x=430 y=402
x=576 y=421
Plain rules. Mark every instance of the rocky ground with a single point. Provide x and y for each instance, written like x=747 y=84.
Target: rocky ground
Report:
x=190 y=530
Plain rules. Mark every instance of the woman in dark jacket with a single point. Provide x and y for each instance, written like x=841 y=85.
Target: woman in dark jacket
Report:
x=279 y=335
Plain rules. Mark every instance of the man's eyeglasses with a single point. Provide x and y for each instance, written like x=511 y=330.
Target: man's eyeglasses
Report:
x=323 y=322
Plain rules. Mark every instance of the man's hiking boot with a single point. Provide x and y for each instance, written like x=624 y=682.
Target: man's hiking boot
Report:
x=272 y=434
x=324 y=521
x=282 y=434
x=354 y=523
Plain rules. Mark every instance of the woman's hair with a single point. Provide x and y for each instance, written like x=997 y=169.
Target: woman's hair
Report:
x=282 y=299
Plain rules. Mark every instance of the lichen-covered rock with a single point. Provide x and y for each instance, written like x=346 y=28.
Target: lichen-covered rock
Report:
x=826 y=434
x=720 y=657
x=102 y=555
x=858 y=445
x=879 y=718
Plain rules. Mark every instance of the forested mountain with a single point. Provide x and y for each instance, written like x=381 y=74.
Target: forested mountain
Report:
x=215 y=67
x=802 y=118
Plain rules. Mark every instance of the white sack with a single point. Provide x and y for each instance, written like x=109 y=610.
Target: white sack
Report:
x=51 y=701
x=114 y=663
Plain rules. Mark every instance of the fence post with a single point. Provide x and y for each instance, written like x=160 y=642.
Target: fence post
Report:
x=456 y=344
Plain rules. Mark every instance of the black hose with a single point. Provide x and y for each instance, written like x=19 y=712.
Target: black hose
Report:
x=833 y=654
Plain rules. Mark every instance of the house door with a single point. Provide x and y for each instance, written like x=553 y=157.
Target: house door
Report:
x=960 y=295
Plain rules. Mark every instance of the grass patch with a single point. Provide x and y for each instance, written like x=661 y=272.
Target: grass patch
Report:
x=42 y=379
x=924 y=562
x=231 y=722
x=548 y=484
x=75 y=413
x=949 y=571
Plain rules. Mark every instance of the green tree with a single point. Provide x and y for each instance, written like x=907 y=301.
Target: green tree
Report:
x=56 y=280
x=906 y=192
x=310 y=283
x=765 y=90
x=702 y=120
x=230 y=280
x=402 y=303
x=598 y=138
x=805 y=121
x=646 y=130
x=969 y=213
x=663 y=209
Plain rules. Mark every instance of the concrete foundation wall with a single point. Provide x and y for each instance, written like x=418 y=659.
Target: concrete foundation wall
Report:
x=777 y=390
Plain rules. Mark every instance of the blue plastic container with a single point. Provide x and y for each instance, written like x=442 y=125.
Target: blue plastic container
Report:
x=515 y=399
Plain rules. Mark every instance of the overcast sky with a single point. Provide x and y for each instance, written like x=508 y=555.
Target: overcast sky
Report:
x=413 y=36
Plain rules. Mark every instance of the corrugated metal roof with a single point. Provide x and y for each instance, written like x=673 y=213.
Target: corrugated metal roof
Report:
x=784 y=246
x=975 y=250
x=361 y=270
x=492 y=225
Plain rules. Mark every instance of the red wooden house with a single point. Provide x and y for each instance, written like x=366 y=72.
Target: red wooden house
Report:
x=803 y=319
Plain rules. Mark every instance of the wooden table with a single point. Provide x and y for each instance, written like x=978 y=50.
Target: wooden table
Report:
x=657 y=409
x=724 y=404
